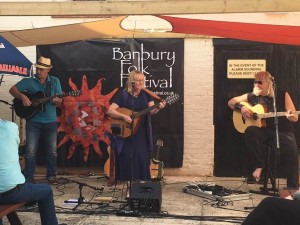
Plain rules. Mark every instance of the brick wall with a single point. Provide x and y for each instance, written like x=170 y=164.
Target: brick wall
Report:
x=198 y=109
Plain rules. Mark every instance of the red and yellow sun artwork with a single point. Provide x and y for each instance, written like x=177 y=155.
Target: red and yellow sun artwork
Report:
x=83 y=118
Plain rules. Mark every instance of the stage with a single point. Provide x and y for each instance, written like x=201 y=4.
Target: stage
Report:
x=177 y=202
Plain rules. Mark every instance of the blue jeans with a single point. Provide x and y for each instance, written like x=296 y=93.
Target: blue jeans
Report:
x=48 y=133
x=42 y=193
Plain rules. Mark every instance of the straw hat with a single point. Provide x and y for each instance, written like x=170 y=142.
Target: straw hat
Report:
x=43 y=63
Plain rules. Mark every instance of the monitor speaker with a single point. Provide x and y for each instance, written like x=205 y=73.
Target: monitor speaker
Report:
x=146 y=197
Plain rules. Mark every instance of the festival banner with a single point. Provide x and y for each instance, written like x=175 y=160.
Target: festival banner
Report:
x=100 y=68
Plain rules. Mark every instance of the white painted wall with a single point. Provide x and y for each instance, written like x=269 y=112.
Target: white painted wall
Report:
x=198 y=157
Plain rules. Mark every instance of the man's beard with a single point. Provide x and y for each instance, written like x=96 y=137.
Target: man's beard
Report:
x=257 y=91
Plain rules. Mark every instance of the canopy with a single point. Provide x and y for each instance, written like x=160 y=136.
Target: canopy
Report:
x=277 y=34
x=12 y=61
x=182 y=27
x=108 y=28
x=102 y=29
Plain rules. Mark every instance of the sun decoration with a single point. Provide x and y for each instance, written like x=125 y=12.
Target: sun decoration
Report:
x=83 y=119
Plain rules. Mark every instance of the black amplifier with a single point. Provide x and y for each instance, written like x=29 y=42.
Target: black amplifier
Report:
x=146 y=197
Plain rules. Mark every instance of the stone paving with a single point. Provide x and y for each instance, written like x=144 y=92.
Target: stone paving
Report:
x=102 y=204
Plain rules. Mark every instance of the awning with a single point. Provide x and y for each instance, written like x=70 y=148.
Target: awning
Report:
x=108 y=28
x=182 y=28
x=277 y=34
x=102 y=29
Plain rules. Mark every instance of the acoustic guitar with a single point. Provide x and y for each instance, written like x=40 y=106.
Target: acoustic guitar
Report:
x=125 y=128
x=38 y=101
x=259 y=115
x=109 y=167
x=156 y=166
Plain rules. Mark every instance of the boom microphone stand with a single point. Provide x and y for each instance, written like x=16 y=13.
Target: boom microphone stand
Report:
x=277 y=149
x=81 y=199
x=12 y=110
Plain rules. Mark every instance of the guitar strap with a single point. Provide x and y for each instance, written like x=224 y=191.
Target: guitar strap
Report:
x=49 y=87
x=144 y=89
x=152 y=94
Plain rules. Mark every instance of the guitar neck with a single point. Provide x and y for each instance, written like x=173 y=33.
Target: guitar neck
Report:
x=272 y=114
x=157 y=152
x=169 y=100
x=47 y=99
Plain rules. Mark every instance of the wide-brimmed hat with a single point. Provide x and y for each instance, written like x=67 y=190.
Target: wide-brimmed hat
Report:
x=43 y=63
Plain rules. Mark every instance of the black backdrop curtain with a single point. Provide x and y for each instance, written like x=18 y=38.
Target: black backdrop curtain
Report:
x=282 y=61
x=82 y=64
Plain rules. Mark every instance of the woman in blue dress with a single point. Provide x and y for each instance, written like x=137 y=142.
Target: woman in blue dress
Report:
x=133 y=152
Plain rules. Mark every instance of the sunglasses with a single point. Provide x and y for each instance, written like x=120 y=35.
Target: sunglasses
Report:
x=258 y=82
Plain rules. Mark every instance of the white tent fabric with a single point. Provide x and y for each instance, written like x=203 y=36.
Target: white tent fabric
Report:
x=102 y=29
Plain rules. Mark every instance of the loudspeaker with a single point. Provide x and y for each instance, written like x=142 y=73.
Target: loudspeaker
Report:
x=146 y=197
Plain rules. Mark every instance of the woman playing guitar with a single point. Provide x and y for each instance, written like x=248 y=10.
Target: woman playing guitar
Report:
x=133 y=152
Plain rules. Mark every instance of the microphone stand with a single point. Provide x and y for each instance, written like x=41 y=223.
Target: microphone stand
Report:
x=132 y=142
x=12 y=110
x=81 y=199
x=277 y=150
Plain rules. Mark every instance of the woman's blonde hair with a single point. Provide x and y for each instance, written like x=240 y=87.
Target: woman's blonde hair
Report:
x=266 y=77
x=131 y=79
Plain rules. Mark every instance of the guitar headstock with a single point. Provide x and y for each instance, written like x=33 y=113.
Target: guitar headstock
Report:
x=159 y=143
x=172 y=98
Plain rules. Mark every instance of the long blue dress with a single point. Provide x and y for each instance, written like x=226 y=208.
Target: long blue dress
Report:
x=139 y=145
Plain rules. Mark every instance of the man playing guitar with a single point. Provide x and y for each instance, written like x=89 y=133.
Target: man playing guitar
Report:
x=256 y=137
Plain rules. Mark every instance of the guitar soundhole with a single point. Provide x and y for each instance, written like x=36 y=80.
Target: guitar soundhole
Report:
x=255 y=117
x=116 y=129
